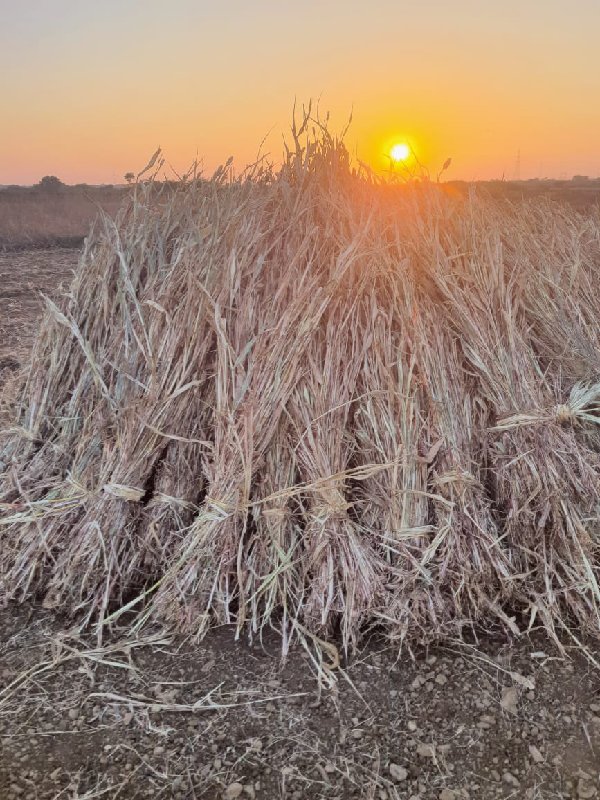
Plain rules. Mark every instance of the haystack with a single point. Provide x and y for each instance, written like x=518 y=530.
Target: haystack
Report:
x=309 y=399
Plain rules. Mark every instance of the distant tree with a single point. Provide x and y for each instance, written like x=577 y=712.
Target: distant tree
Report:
x=129 y=177
x=50 y=183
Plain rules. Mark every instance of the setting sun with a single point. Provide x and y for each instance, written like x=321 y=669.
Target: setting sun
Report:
x=400 y=152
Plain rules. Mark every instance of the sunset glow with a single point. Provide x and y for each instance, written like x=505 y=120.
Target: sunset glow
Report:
x=400 y=152
x=91 y=89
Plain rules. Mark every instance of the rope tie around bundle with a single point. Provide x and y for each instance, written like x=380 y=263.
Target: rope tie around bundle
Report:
x=331 y=505
x=276 y=514
x=130 y=493
x=459 y=476
x=160 y=499
x=220 y=509
x=564 y=415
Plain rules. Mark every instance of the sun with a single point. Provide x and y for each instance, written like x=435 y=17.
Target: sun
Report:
x=400 y=152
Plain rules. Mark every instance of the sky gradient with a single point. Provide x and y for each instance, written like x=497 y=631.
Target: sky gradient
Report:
x=90 y=89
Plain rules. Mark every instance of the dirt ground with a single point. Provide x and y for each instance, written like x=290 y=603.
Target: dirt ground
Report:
x=160 y=717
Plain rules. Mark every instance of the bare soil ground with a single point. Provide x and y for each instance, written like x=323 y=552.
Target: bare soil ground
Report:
x=160 y=717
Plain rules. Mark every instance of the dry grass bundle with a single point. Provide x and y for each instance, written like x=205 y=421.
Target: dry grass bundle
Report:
x=307 y=399
x=390 y=429
x=545 y=478
x=340 y=568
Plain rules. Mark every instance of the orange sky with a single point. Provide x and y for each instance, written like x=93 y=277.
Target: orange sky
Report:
x=89 y=89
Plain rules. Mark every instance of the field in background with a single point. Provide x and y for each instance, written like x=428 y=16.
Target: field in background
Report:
x=32 y=217
x=580 y=193
x=25 y=276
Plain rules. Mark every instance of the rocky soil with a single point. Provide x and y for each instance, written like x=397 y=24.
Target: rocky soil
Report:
x=162 y=718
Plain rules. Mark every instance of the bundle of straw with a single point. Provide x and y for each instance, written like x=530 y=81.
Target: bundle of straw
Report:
x=311 y=399
x=545 y=481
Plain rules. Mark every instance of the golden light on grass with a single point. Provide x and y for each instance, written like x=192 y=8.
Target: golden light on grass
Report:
x=399 y=152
